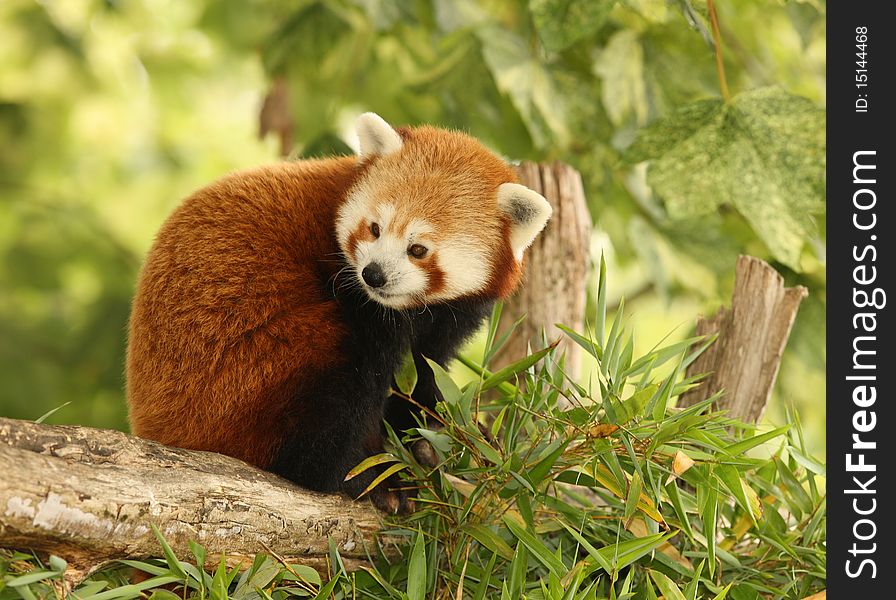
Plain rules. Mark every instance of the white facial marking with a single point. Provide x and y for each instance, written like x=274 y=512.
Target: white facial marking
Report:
x=385 y=214
x=351 y=213
x=418 y=228
x=406 y=282
x=528 y=211
x=465 y=266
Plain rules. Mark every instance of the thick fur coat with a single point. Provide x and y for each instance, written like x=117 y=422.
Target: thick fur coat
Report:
x=276 y=303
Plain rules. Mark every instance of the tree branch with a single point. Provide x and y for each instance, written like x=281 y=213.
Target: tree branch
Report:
x=90 y=495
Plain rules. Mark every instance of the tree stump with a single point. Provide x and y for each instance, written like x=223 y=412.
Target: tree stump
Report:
x=90 y=496
x=556 y=269
x=743 y=362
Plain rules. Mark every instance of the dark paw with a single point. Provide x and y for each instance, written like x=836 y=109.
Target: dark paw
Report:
x=392 y=501
x=425 y=454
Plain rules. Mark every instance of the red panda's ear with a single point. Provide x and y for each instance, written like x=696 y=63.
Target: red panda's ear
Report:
x=528 y=211
x=375 y=136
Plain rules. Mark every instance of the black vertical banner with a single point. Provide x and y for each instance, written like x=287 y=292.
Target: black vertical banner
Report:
x=861 y=437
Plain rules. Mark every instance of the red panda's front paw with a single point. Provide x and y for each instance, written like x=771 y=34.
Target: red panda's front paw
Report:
x=425 y=454
x=391 y=500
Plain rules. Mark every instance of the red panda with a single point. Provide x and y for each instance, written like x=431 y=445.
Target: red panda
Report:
x=276 y=303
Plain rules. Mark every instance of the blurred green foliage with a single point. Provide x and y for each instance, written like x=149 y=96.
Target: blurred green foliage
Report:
x=111 y=111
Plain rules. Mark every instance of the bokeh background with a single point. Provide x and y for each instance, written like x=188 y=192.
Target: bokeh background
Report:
x=111 y=111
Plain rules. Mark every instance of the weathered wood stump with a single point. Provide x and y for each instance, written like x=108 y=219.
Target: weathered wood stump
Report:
x=752 y=334
x=556 y=270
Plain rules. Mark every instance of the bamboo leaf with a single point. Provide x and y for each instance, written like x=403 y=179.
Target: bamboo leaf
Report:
x=417 y=570
x=535 y=545
x=510 y=370
x=748 y=444
x=488 y=538
x=668 y=588
x=382 y=477
x=634 y=495
x=745 y=496
x=406 y=374
x=369 y=462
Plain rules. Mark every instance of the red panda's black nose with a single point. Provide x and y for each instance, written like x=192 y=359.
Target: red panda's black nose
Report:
x=373 y=275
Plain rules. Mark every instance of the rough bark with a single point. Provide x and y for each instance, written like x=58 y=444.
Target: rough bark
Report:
x=744 y=360
x=90 y=496
x=556 y=270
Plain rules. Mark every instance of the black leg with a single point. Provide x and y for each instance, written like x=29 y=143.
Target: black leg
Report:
x=439 y=334
x=402 y=414
x=327 y=445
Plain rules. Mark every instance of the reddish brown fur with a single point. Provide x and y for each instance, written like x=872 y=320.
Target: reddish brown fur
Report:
x=437 y=169
x=215 y=359
x=230 y=315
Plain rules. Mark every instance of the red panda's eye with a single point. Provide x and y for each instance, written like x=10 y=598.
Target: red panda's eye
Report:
x=417 y=251
x=375 y=230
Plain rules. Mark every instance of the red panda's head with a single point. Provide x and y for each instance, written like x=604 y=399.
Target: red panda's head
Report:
x=434 y=217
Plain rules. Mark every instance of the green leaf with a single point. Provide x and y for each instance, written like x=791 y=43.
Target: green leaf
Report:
x=709 y=507
x=369 y=462
x=535 y=545
x=634 y=405
x=801 y=500
x=326 y=591
x=50 y=413
x=763 y=153
x=756 y=440
x=604 y=476
x=382 y=477
x=417 y=570
x=515 y=578
x=510 y=370
x=486 y=579
x=488 y=538
x=57 y=563
x=561 y=23
x=668 y=588
x=807 y=462
x=221 y=580
x=32 y=577
x=552 y=453
x=675 y=498
x=88 y=589
x=406 y=374
x=506 y=388
x=136 y=590
x=488 y=451
x=744 y=494
x=531 y=87
x=198 y=552
x=170 y=557
x=634 y=495
x=618 y=556
x=264 y=570
x=439 y=440
x=620 y=65
x=450 y=392
x=590 y=346
x=600 y=317
x=302 y=573
x=690 y=592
